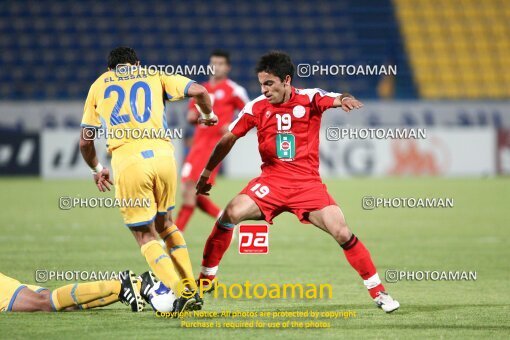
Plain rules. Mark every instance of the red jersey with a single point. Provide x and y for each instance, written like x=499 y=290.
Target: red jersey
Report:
x=227 y=97
x=288 y=134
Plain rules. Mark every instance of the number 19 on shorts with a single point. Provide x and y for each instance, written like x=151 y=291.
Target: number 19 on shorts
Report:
x=260 y=190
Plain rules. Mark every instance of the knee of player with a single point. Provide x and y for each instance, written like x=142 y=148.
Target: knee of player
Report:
x=341 y=233
x=231 y=214
x=43 y=303
x=189 y=199
x=143 y=234
x=342 y=225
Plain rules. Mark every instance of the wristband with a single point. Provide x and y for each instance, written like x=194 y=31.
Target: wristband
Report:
x=342 y=100
x=97 y=168
x=205 y=173
x=207 y=116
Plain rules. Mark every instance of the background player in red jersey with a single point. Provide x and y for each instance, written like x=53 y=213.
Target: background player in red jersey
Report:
x=227 y=98
x=288 y=124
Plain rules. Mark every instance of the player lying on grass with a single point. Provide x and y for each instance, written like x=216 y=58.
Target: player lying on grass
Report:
x=288 y=125
x=227 y=97
x=18 y=297
x=126 y=98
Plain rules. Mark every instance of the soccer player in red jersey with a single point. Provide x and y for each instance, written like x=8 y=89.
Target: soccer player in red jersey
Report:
x=227 y=98
x=288 y=124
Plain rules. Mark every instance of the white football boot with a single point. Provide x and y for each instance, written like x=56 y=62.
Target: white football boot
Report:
x=386 y=302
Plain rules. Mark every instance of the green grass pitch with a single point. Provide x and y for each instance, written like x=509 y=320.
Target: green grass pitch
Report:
x=473 y=236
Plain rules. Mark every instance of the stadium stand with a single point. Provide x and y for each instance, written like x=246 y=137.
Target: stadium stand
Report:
x=457 y=49
x=55 y=49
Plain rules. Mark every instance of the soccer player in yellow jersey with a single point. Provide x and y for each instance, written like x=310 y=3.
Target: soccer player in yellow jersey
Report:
x=128 y=103
x=18 y=297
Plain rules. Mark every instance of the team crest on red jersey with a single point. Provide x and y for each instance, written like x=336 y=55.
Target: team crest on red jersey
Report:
x=299 y=111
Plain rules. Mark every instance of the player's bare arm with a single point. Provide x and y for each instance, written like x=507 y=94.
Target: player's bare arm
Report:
x=220 y=151
x=88 y=151
x=347 y=102
x=204 y=105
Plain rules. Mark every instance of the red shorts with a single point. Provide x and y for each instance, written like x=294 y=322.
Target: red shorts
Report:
x=273 y=199
x=193 y=165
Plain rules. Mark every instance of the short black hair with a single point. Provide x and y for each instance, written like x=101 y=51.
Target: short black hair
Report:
x=277 y=63
x=221 y=53
x=122 y=55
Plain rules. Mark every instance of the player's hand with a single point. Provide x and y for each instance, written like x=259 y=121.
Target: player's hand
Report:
x=102 y=180
x=209 y=122
x=349 y=103
x=203 y=187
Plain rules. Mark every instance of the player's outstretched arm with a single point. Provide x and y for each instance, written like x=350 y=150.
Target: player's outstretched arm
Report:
x=220 y=151
x=203 y=104
x=347 y=102
x=88 y=152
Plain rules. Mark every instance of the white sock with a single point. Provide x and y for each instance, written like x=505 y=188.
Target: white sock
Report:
x=209 y=271
x=372 y=281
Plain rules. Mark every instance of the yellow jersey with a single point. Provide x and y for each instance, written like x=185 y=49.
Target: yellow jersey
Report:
x=131 y=107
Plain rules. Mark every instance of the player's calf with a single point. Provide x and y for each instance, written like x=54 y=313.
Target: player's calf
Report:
x=205 y=204
x=188 y=205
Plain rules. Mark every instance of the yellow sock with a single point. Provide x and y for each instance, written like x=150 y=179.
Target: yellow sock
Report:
x=178 y=251
x=105 y=301
x=108 y=300
x=161 y=265
x=79 y=293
